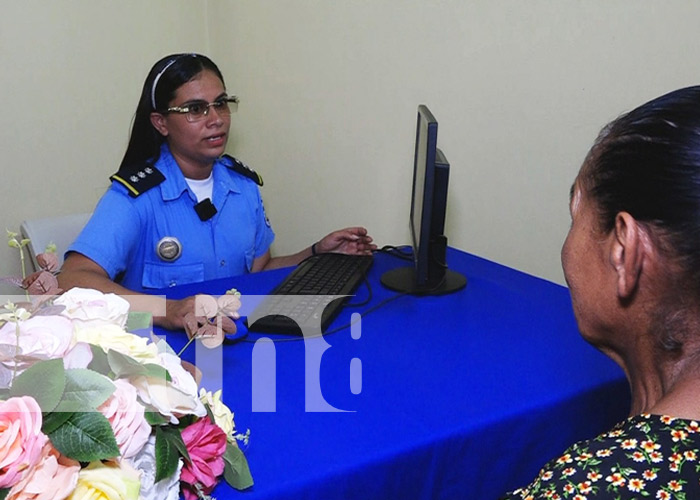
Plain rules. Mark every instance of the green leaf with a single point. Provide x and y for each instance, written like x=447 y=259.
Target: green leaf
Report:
x=99 y=361
x=45 y=381
x=139 y=320
x=157 y=371
x=54 y=420
x=126 y=366
x=4 y=492
x=123 y=365
x=210 y=414
x=154 y=418
x=86 y=437
x=85 y=391
x=163 y=346
x=186 y=421
x=236 y=470
x=175 y=436
x=167 y=447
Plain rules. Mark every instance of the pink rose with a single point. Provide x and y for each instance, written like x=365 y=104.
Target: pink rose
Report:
x=21 y=439
x=53 y=478
x=40 y=337
x=126 y=415
x=206 y=444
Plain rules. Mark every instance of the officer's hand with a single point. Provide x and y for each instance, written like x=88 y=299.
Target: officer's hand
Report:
x=175 y=311
x=351 y=240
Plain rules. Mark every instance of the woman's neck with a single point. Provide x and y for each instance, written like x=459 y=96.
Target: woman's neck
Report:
x=681 y=402
x=197 y=173
x=667 y=387
x=193 y=169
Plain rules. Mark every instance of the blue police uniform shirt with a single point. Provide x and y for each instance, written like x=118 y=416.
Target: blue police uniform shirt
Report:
x=123 y=234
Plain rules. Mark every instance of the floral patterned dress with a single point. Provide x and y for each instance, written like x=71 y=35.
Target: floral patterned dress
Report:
x=646 y=456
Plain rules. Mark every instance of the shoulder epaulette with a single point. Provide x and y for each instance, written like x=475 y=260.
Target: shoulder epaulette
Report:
x=138 y=179
x=244 y=170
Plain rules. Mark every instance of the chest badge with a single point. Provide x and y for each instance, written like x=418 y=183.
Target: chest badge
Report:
x=169 y=248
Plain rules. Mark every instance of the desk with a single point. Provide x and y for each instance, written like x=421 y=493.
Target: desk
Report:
x=463 y=396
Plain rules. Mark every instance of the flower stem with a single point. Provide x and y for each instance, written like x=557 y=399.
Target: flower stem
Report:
x=179 y=354
x=24 y=272
x=14 y=365
x=200 y=492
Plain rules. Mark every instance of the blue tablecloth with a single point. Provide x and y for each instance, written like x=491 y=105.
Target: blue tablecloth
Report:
x=463 y=396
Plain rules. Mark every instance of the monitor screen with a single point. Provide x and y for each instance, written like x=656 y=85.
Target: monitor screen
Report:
x=429 y=274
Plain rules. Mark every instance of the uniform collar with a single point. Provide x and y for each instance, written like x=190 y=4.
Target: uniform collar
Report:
x=175 y=183
x=221 y=176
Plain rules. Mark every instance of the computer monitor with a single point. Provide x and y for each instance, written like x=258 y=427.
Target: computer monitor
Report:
x=429 y=274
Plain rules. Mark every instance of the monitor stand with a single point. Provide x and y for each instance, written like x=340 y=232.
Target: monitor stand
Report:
x=403 y=279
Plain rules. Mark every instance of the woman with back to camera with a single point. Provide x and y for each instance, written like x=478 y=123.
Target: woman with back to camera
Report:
x=632 y=263
x=179 y=210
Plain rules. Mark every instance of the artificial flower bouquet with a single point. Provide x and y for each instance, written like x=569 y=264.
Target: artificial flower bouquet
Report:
x=89 y=410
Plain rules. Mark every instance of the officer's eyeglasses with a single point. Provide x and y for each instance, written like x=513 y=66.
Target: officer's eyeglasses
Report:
x=197 y=110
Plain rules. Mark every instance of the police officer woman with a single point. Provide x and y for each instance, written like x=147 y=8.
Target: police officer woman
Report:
x=179 y=210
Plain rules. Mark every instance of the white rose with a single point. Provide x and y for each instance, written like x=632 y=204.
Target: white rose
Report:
x=145 y=461
x=79 y=356
x=107 y=481
x=223 y=417
x=87 y=307
x=110 y=337
x=173 y=398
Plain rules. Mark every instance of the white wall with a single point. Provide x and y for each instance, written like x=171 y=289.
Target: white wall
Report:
x=329 y=93
x=71 y=73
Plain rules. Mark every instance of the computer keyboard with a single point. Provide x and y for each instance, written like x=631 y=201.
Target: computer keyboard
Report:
x=308 y=298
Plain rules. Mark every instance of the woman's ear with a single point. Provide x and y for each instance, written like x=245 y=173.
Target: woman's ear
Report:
x=159 y=123
x=628 y=253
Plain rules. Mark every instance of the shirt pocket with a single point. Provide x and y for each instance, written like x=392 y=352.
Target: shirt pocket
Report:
x=166 y=275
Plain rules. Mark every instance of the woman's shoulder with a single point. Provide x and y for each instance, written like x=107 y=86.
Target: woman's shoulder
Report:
x=645 y=454
x=135 y=180
x=240 y=169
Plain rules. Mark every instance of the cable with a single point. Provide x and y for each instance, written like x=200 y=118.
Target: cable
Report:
x=365 y=313
x=395 y=251
x=369 y=295
x=235 y=340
